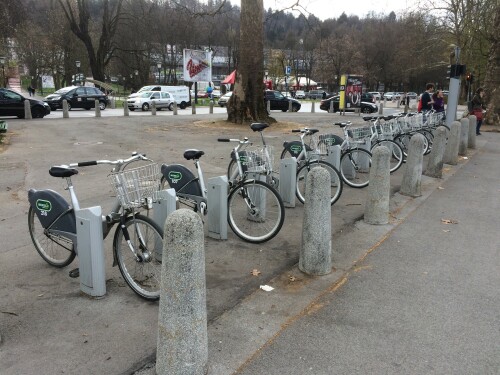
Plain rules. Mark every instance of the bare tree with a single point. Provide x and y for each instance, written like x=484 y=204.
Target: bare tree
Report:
x=247 y=101
x=492 y=77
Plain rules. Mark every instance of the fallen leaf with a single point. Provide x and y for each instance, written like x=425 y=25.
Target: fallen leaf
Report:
x=41 y=295
x=446 y=230
x=255 y=272
x=441 y=188
x=449 y=221
x=266 y=288
x=292 y=278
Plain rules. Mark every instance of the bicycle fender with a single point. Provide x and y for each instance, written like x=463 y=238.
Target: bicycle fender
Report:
x=181 y=179
x=295 y=148
x=49 y=206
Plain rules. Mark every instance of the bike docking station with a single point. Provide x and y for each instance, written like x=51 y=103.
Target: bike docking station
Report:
x=288 y=181
x=89 y=236
x=217 y=201
x=165 y=204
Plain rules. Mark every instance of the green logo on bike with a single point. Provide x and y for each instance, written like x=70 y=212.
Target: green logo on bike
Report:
x=43 y=205
x=243 y=159
x=174 y=176
x=296 y=149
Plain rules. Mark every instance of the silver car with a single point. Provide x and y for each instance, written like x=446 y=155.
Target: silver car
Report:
x=146 y=99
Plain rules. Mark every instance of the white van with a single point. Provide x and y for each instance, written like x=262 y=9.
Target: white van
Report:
x=180 y=93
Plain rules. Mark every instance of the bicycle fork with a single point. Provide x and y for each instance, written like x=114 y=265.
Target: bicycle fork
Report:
x=144 y=256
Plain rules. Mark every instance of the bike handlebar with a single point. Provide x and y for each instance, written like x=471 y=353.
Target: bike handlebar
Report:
x=134 y=157
x=244 y=141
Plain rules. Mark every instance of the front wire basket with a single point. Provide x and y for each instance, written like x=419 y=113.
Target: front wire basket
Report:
x=258 y=160
x=136 y=187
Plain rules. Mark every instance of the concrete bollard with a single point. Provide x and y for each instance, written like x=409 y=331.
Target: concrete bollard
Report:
x=65 y=109
x=27 y=110
x=332 y=110
x=113 y=103
x=464 y=137
x=175 y=109
x=211 y=107
x=182 y=320
x=97 y=108
x=125 y=109
x=193 y=107
x=451 y=152
x=268 y=106
x=315 y=256
x=377 y=201
x=412 y=177
x=153 y=109
x=435 y=163
x=381 y=108
x=472 y=132
x=313 y=110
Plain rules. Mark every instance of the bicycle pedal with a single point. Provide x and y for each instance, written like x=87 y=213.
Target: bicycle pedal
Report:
x=74 y=273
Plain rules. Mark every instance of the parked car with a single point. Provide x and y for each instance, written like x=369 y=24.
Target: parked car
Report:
x=225 y=98
x=367 y=97
x=202 y=94
x=146 y=99
x=12 y=104
x=316 y=94
x=279 y=102
x=392 y=95
x=366 y=107
x=376 y=95
x=300 y=94
x=412 y=95
x=180 y=93
x=77 y=97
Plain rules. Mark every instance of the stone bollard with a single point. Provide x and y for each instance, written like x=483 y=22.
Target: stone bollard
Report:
x=65 y=109
x=153 y=109
x=27 y=110
x=175 y=108
x=97 y=108
x=125 y=109
x=113 y=103
x=211 y=107
x=193 y=107
x=313 y=110
x=182 y=320
x=412 y=177
x=315 y=256
x=451 y=152
x=435 y=163
x=464 y=137
x=377 y=201
x=381 y=108
x=331 y=107
x=472 y=132
x=268 y=106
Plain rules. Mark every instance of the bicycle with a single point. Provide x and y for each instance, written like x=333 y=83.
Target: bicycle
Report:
x=255 y=210
x=308 y=157
x=265 y=153
x=52 y=223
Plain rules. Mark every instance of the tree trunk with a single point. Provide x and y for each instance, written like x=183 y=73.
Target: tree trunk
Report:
x=247 y=102
x=492 y=78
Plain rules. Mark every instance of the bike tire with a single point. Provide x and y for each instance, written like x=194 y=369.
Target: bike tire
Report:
x=355 y=167
x=336 y=185
x=142 y=276
x=56 y=252
x=429 y=138
x=397 y=156
x=263 y=220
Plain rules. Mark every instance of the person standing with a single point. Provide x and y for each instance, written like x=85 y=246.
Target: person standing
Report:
x=426 y=97
x=478 y=107
x=438 y=101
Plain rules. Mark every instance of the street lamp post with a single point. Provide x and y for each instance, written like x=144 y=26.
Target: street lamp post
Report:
x=78 y=64
x=159 y=70
x=2 y=62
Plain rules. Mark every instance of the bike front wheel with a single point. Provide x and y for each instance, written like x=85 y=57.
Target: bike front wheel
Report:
x=141 y=271
x=255 y=211
x=55 y=250
x=355 y=167
x=335 y=180
x=396 y=152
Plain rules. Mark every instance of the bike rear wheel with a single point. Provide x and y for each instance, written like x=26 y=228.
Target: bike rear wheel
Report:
x=397 y=156
x=55 y=250
x=355 y=167
x=335 y=185
x=142 y=273
x=255 y=211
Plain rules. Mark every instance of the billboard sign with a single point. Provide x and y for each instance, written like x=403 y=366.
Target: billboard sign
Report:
x=197 y=65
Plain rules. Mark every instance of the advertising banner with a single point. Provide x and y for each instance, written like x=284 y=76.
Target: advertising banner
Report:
x=353 y=91
x=197 y=65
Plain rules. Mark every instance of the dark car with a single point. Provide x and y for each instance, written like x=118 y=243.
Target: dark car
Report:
x=316 y=94
x=366 y=107
x=12 y=104
x=279 y=102
x=77 y=97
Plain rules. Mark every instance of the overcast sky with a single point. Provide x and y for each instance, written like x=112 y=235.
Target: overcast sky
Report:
x=324 y=9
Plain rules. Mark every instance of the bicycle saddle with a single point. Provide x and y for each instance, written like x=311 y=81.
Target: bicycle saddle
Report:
x=258 y=126
x=62 y=171
x=193 y=154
